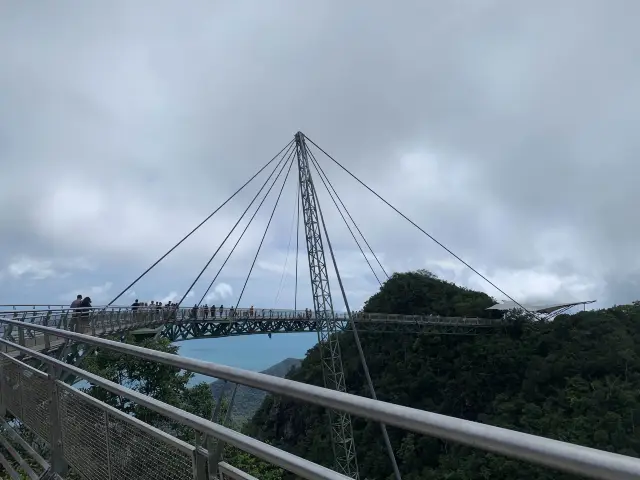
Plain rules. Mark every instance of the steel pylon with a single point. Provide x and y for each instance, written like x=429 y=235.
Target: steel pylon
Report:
x=341 y=430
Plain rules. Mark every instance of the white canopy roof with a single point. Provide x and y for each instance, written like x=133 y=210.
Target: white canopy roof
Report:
x=537 y=308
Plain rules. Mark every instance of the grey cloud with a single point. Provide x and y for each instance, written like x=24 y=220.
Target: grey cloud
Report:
x=504 y=128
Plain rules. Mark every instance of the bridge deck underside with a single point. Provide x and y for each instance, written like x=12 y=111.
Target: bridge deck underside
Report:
x=199 y=329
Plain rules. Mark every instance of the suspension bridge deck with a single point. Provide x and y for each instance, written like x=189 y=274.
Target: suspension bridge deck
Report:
x=186 y=324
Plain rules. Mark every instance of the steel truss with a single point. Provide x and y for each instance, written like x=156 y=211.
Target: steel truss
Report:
x=192 y=330
x=333 y=374
x=122 y=321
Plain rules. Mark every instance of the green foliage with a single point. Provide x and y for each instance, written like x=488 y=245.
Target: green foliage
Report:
x=575 y=379
x=252 y=465
x=162 y=382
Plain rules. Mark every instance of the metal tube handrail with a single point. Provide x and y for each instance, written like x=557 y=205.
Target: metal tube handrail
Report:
x=540 y=450
x=234 y=473
x=271 y=454
x=63 y=308
x=259 y=314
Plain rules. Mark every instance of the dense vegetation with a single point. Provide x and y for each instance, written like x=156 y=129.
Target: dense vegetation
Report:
x=575 y=379
x=248 y=400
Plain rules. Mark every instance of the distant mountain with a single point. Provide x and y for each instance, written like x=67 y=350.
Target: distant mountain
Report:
x=248 y=399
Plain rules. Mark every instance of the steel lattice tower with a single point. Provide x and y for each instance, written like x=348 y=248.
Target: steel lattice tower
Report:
x=341 y=431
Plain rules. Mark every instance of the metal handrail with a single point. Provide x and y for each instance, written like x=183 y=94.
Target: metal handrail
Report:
x=273 y=455
x=234 y=473
x=260 y=314
x=540 y=450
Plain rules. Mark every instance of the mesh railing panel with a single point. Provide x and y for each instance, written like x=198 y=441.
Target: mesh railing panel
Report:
x=104 y=445
x=137 y=454
x=84 y=436
x=11 y=388
x=36 y=404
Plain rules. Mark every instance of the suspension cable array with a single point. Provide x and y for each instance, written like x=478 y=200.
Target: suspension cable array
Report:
x=232 y=229
x=241 y=236
x=308 y=209
x=428 y=235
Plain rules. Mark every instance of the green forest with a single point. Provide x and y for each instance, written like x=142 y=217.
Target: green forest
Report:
x=576 y=379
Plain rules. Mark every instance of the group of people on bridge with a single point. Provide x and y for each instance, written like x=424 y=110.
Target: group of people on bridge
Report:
x=205 y=312
x=81 y=307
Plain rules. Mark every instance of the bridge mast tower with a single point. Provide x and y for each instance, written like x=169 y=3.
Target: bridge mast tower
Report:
x=341 y=430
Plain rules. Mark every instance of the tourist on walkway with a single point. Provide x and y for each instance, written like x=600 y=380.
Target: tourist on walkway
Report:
x=85 y=314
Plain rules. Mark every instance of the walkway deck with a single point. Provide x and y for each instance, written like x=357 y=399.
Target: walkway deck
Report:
x=182 y=324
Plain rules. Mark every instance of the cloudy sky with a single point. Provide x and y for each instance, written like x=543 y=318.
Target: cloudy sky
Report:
x=505 y=128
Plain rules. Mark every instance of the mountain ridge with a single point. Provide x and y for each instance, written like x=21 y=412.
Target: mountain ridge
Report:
x=249 y=399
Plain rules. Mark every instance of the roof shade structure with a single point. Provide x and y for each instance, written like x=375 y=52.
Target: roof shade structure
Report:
x=548 y=309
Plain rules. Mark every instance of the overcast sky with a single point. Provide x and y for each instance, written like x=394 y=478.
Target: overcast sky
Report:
x=507 y=129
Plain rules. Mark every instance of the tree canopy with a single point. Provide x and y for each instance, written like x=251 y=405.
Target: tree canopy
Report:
x=576 y=378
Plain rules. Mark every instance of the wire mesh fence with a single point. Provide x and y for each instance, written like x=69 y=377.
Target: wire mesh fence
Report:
x=36 y=402
x=98 y=442
x=103 y=443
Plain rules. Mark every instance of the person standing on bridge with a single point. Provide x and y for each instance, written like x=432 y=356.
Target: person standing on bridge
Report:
x=74 y=315
x=205 y=311
x=76 y=303
x=85 y=312
x=251 y=311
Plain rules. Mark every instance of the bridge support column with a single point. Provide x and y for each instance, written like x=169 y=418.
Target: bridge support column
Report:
x=58 y=463
x=331 y=359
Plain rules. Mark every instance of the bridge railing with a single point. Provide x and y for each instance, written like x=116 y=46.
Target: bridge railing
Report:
x=95 y=321
x=103 y=320
x=539 y=450
x=101 y=442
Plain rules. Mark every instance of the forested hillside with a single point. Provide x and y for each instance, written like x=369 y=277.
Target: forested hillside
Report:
x=575 y=379
x=248 y=399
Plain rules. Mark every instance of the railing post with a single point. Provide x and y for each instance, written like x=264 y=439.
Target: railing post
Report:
x=58 y=463
x=33 y=321
x=21 y=329
x=47 y=340
x=200 y=460
x=64 y=320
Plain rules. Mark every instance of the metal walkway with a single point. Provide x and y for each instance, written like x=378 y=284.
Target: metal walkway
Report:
x=99 y=442
x=186 y=324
